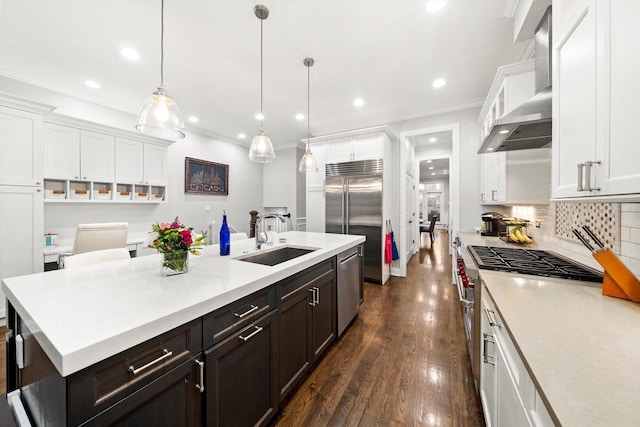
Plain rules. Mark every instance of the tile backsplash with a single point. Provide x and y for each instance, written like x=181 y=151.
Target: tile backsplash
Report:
x=617 y=224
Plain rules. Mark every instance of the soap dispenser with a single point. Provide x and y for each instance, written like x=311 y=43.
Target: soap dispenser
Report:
x=225 y=236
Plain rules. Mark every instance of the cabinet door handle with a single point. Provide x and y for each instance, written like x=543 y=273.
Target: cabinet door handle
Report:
x=252 y=308
x=316 y=294
x=482 y=197
x=486 y=358
x=256 y=331
x=587 y=175
x=494 y=195
x=313 y=297
x=165 y=353
x=580 y=169
x=200 y=385
x=492 y=319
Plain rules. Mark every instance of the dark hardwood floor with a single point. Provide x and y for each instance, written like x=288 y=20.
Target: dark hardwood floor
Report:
x=403 y=361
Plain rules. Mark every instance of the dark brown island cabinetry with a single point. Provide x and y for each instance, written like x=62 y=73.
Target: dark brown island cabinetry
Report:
x=307 y=325
x=231 y=367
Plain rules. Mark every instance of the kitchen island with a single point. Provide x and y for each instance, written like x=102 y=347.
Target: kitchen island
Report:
x=82 y=317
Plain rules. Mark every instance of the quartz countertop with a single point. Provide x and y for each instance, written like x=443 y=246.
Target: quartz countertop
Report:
x=581 y=347
x=84 y=315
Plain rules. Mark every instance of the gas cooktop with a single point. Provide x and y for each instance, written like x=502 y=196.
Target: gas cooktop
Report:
x=533 y=262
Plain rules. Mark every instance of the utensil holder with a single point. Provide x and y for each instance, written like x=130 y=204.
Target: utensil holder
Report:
x=619 y=281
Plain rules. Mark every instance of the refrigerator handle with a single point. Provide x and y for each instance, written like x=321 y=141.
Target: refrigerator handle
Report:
x=345 y=207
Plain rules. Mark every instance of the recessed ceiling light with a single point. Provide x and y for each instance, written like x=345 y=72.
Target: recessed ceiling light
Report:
x=430 y=167
x=438 y=83
x=435 y=5
x=359 y=102
x=429 y=161
x=130 y=53
x=299 y=116
x=242 y=136
x=259 y=116
x=92 y=84
x=433 y=173
x=433 y=139
x=193 y=119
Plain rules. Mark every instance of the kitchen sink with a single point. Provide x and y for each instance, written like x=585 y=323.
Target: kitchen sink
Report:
x=276 y=256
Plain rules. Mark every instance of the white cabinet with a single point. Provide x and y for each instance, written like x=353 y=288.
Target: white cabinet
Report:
x=507 y=392
x=516 y=177
x=78 y=154
x=129 y=161
x=22 y=209
x=96 y=156
x=21 y=154
x=140 y=163
x=155 y=164
x=357 y=147
x=595 y=90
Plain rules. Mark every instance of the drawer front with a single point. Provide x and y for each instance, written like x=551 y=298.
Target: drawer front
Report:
x=288 y=287
x=101 y=385
x=230 y=318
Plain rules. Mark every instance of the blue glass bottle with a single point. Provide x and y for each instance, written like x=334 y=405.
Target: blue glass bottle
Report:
x=225 y=236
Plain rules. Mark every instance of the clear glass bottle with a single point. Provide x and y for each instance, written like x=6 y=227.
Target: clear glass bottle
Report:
x=225 y=236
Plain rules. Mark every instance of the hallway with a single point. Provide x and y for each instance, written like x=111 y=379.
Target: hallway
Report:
x=403 y=361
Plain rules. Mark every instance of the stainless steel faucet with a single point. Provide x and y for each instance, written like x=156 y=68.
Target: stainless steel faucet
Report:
x=260 y=240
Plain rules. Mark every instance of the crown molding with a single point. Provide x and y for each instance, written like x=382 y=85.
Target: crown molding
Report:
x=21 y=103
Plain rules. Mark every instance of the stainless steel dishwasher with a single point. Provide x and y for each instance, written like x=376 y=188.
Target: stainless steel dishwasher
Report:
x=349 y=286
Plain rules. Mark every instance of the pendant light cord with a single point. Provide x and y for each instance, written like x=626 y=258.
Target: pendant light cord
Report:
x=261 y=73
x=308 y=105
x=162 y=43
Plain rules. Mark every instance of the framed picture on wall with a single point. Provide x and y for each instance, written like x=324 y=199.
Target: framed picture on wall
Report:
x=203 y=177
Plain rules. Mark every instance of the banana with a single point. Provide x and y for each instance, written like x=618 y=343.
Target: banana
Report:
x=522 y=236
x=513 y=236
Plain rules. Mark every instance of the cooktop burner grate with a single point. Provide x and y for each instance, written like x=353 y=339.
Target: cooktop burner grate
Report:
x=533 y=262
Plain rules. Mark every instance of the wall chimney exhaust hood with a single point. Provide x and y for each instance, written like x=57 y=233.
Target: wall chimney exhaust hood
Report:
x=529 y=125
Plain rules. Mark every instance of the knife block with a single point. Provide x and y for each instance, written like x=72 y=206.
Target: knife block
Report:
x=618 y=281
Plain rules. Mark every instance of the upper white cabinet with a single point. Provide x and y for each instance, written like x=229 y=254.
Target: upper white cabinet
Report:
x=516 y=177
x=595 y=94
x=129 y=163
x=89 y=162
x=21 y=153
x=357 y=147
x=512 y=86
x=78 y=154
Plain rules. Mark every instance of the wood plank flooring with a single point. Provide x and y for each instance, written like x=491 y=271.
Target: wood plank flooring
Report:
x=403 y=361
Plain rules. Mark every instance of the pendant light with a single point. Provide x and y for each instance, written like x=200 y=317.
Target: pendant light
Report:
x=308 y=161
x=261 y=150
x=160 y=116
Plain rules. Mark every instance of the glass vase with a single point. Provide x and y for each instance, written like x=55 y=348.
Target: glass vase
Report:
x=175 y=263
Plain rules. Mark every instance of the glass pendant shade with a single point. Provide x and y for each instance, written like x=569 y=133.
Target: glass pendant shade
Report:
x=261 y=150
x=308 y=162
x=160 y=117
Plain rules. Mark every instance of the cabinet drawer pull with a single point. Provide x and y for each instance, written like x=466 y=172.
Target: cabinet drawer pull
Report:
x=492 y=319
x=252 y=308
x=200 y=385
x=165 y=354
x=317 y=294
x=313 y=297
x=257 y=330
x=486 y=358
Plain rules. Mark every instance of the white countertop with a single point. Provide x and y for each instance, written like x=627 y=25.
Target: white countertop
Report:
x=84 y=315
x=582 y=348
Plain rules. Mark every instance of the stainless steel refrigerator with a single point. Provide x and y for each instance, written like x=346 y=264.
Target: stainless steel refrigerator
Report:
x=353 y=205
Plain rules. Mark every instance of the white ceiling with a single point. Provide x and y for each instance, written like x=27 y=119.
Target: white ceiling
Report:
x=387 y=52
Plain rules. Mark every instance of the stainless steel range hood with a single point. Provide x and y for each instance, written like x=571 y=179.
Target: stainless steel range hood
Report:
x=529 y=125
